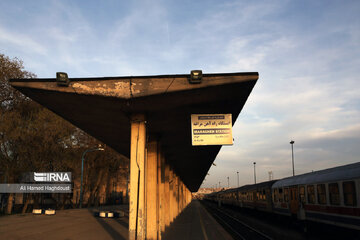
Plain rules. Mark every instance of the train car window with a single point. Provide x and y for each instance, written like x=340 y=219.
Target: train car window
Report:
x=276 y=195
x=311 y=193
x=334 y=194
x=286 y=195
x=280 y=195
x=264 y=195
x=302 y=194
x=321 y=193
x=349 y=193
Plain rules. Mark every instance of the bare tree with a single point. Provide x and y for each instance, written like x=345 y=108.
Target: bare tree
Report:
x=33 y=138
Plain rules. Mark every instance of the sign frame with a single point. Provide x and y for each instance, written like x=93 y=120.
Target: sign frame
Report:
x=211 y=129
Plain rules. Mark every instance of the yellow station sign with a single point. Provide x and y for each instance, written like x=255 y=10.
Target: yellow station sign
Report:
x=211 y=129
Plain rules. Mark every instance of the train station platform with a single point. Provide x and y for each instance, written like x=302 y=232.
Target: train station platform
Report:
x=195 y=223
x=148 y=120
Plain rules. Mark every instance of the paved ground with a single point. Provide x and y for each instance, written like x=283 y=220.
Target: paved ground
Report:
x=195 y=223
x=66 y=224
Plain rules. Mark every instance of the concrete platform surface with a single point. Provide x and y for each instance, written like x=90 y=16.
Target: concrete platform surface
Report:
x=66 y=224
x=195 y=223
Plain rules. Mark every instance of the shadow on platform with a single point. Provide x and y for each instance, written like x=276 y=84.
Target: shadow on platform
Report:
x=195 y=223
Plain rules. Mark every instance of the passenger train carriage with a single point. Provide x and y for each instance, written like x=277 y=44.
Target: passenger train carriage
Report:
x=257 y=196
x=330 y=196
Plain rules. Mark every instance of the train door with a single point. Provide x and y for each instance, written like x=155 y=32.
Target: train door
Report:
x=294 y=200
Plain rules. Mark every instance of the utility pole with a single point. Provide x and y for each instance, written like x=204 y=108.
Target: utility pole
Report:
x=82 y=170
x=254 y=173
x=271 y=175
x=292 y=153
x=238 y=178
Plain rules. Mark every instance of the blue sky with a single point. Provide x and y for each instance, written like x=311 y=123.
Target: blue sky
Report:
x=306 y=52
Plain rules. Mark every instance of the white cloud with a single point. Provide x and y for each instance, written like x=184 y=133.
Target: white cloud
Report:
x=352 y=131
x=26 y=43
x=308 y=64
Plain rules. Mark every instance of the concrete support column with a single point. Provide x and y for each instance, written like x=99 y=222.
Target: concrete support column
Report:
x=151 y=191
x=177 y=210
x=185 y=196
x=189 y=197
x=161 y=181
x=172 y=198
x=167 y=195
x=182 y=196
x=137 y=174
x=188 y=194
x=175 y=196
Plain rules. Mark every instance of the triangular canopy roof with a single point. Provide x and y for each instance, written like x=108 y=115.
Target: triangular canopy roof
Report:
x=102 y=107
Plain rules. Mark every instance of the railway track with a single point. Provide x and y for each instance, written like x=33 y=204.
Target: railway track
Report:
x=237 y=228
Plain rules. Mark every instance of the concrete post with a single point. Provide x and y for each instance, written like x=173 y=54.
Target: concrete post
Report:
x=151 y=191
x=185 y=197
x=171 y=193
x=177 y=196
x=167 y=195
x=179 y=210
x=137 y=185
x=161 y=181
x=189 y=197
x=182 y=196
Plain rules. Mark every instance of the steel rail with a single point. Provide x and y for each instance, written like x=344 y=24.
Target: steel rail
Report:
x=237 y=221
